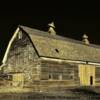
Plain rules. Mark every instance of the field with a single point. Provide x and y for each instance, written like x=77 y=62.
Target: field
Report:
x=84 y=93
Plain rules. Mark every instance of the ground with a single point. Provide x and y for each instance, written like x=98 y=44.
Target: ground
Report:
x=82 y=93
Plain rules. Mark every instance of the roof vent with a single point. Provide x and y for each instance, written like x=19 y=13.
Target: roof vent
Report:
x=51 y=28
x=85 y=39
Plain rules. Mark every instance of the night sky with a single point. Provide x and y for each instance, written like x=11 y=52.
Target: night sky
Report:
x=71 y=20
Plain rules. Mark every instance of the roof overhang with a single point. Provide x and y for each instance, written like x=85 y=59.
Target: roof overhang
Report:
x=9 y=45
x=70 y=61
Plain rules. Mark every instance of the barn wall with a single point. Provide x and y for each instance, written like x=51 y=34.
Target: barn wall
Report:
x=59 y=71
x=23 y=58
x=97 y=75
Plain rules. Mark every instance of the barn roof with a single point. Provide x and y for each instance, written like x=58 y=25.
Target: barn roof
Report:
x=61 y=47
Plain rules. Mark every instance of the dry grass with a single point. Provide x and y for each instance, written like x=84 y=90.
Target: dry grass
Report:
x=15 y=90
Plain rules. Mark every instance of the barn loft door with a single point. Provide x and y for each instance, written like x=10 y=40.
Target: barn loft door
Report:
x=87 y=75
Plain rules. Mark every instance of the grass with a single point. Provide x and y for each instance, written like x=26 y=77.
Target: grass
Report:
x=77 y=93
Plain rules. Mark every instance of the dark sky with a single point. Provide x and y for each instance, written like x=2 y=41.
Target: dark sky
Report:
x=71 y=20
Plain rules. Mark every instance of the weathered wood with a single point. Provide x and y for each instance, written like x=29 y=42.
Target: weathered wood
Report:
x=59 y=71
x=22 y=57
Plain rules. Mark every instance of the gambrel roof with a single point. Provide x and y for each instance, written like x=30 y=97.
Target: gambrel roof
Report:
x=60 y=47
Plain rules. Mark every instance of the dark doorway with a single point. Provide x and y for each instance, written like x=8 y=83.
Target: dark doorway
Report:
x=91 y=80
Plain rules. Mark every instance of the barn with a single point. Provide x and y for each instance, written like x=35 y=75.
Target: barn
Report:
x=35 y=57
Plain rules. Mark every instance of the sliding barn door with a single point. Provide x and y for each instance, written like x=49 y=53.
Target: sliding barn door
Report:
x=87 y=75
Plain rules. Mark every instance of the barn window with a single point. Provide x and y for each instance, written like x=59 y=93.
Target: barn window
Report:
x=10 y=77
x=30 y=53
x=67 y=77
x=55 y=76
x=71 y=77
x=50 y=76
x=20 y=35
x=57 y=50
x=30 y=56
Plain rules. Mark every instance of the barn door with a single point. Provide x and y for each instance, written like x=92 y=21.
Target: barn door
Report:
x=87 y=75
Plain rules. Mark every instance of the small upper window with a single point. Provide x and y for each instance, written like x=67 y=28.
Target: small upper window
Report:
x=20 y=35
x=60 y=77
x=57 y=50
x=50 y=76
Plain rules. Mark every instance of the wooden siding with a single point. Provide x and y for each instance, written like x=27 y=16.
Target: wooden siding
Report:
x=22 y=58
x=97 y=75
x=59 y=71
